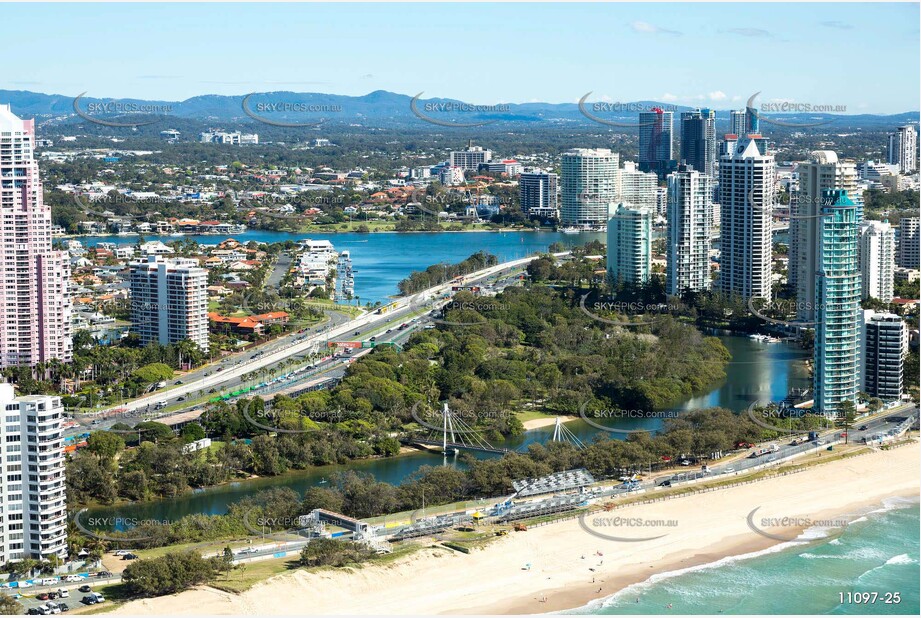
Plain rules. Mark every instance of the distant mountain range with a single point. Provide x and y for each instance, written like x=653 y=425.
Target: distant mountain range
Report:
x=378 y=108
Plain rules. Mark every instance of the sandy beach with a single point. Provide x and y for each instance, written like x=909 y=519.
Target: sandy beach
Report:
x=569 y=567
x=537 y=423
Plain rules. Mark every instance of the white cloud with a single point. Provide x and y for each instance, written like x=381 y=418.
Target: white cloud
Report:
x=669 y=97
x=718 y=95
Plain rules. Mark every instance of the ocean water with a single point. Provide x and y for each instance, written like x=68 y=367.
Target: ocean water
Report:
x=877 y=552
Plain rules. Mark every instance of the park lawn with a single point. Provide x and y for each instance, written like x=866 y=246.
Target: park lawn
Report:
x=530 y=415
x=245 y=576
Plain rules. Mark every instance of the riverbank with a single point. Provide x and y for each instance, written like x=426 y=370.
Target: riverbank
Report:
x=566 y=570
x=550 y=421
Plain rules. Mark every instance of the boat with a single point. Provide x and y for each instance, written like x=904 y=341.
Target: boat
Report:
x=569 y=230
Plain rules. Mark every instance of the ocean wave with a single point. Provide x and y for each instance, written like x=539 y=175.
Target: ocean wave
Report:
x=901 y=559
x=638 y=588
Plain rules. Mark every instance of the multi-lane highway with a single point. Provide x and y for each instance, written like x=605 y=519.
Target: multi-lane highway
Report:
x=231 y=373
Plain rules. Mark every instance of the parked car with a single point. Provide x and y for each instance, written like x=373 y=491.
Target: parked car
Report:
x=73 y=578
x=44 y=596
x=85 y=588
x=129 y=556
x=63 y=607
x=104 y=574
x=63 y=593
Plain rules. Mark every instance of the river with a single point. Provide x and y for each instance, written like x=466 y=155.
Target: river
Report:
x=757 y=371
x=381 y=259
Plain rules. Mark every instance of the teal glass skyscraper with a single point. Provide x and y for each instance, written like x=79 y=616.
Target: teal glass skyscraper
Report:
x=837 y=304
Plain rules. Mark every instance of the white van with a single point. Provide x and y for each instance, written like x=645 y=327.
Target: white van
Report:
x=48 y=581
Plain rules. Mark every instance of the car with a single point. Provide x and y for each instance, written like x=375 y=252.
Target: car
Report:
x=219 y=369
x=89 y=600
x=181 y=399
x=207 y=373
x=666 y=483
x=120 y=552
x=96 y=422
x=356 y=333
x=248 y=550
x=685 y=462
x=862 y=428
x=85 y=588
x=33 y=611
x=63 y=593
x=43 y=596
x=63 y=607
x=728 y=469
x=73 y=578
x=372 y=339
x=104 y=574
x=178 y=382
x=129 y=557
x=52 y=595
x=212 y=390
x=389 y=330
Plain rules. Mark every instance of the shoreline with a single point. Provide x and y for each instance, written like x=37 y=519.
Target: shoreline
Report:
x=564 y=559
x=538 y=423
x=257 y=230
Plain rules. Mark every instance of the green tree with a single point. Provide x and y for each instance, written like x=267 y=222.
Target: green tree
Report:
x=168 y=574
x=192 y=432
x=105 y=444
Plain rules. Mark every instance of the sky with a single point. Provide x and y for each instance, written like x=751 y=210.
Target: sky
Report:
x=864 y=56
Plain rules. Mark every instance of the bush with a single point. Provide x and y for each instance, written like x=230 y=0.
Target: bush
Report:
x=330 y=552
x=170 y=573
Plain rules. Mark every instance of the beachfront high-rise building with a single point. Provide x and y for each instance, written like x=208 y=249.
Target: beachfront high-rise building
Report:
x=824 y=171
x=909 y=240
x=589 y=182
x=539 y=194
x=903 y=149
x=656 y=142
x=639 y=189
x=698 y=140
x=882 y=362
x=33 y=520
x=836 y=354
x=169 y=301
x=35 y=304
x=746 y=197
x=876 y=255
x=629 y=244
x=689 y=230
x=470 y=158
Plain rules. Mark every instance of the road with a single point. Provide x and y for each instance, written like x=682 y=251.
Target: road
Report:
x=227 y=375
